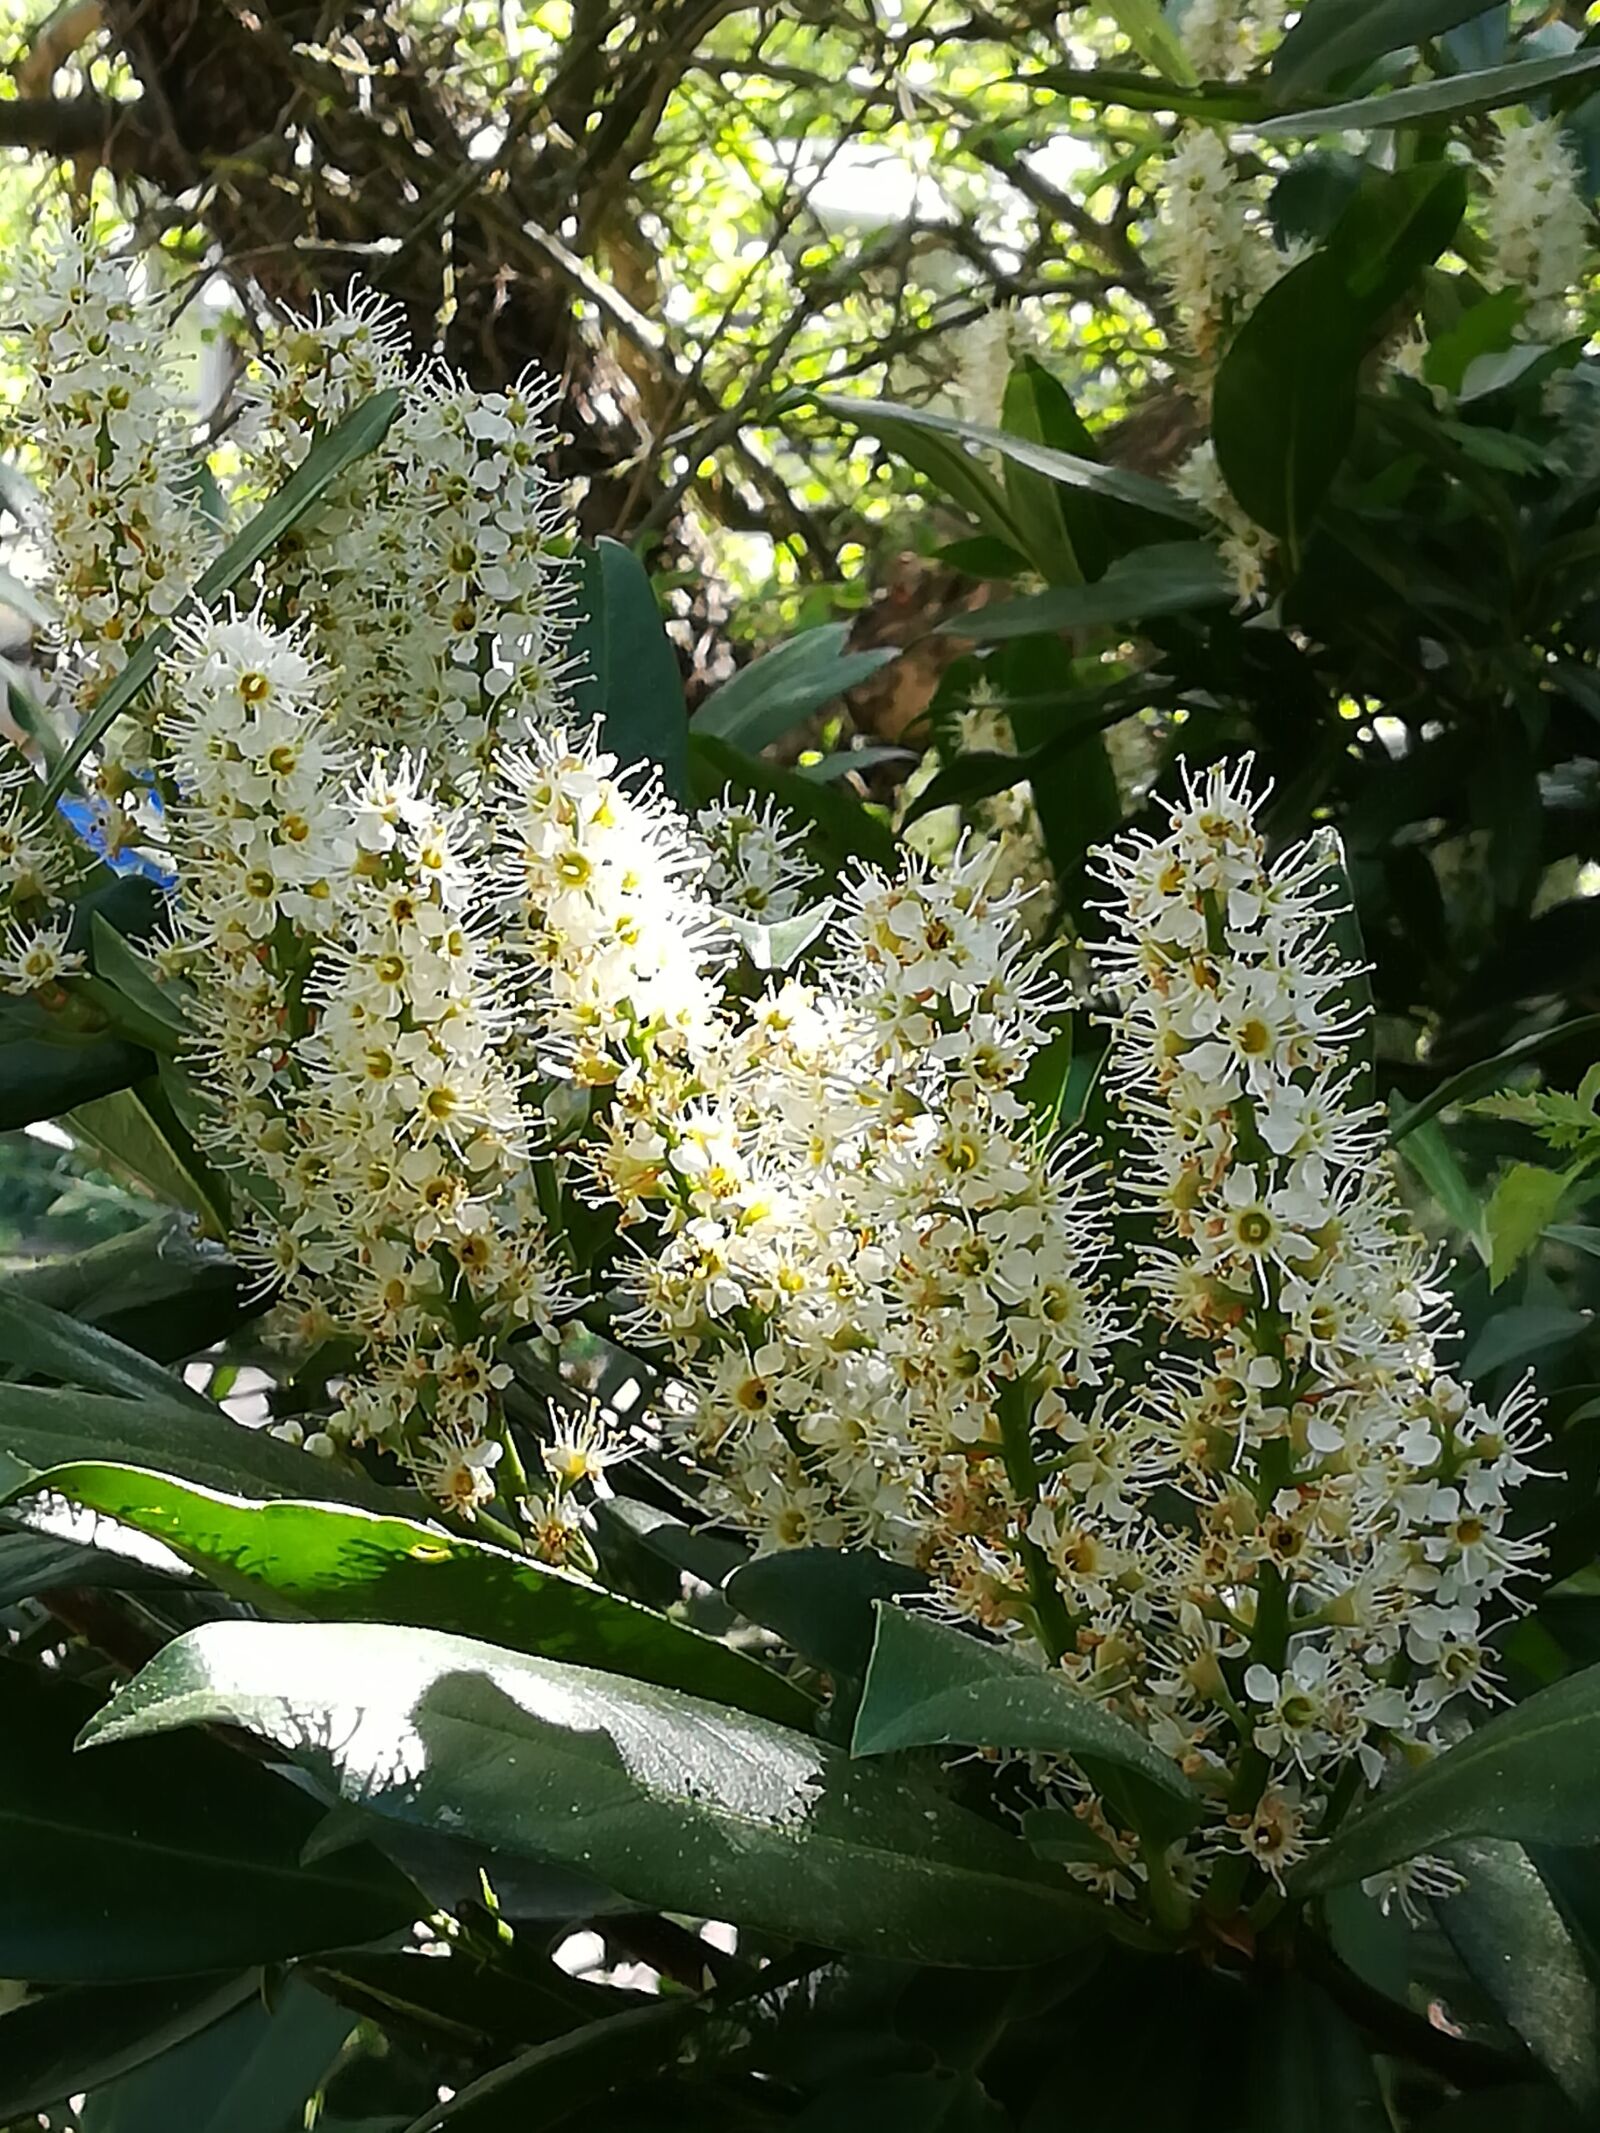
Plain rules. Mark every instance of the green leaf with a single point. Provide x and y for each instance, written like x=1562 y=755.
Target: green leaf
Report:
x=256 y=2072
x=41 y=1427
x=841 y=823
x=81 y=2037
x=763 y=700
x=678 y=1804
x=344 y=1564
x=1147 y=29
x=157 y=1288
x=892 y=422
x=1308 y=2067
x=929 y=1686
x=545 y=2086
x=178 y=1858
x=361 y=431
x=1521 y=1207
x=1218 y=103
x=971 y=778
x=956 y=473
x=1508 y=1931
x=133 y=975
x=1430 y=1155
x=1338 y=36
x=1037 y=503
x=628 y=671
x=1487 y=328
x=39 y=1342
x=1075 y=791
x=1527 y=1774
x=1487 y=1074
x=41 y=1078
x=1168 y=578
x=1423 y=103
x=1525 y=1330
x=1284 y=404
x=820 y=1601
x=137 y=1135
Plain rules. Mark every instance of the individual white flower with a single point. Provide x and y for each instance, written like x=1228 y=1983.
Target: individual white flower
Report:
x=36 y=957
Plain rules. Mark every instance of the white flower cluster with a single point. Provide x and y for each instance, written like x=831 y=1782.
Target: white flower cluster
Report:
x=353 y=1027
x=432 y=578
x=1225 y=39
x=1537 y=225
x=862 y=1243
x=1211 y=247
x=117 y=479
x=1334 y=1506
x=440 y=1001
x=1246 y=548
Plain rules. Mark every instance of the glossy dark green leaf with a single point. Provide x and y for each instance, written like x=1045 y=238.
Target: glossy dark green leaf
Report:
x=628 y=671
x=959 y=476
x=1308 y=2067
x=840 y=822
x=364 y=428
x=1337 y=36
x=1510 y=1933
x=84 y=2036
x=889 y=420
x=1527 y=1774
x=159 y=1289
x=40 y=1079
x=971 y=778
x=820 y=1601
x=36 y=1341
x=1075 y=793
x=343 y=1564
x=775 y=692
x=1513 y=1336
x=1487 y=328
x=42 y=1426
x=255 y=2072
x=133 y=975
x=1284 y=405
x=1433 y=102
x=931 y=1686
x=678 y=1804
x=545 y=2086
x=1285 y=398
x=1168 y=578
x=177 y=1858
